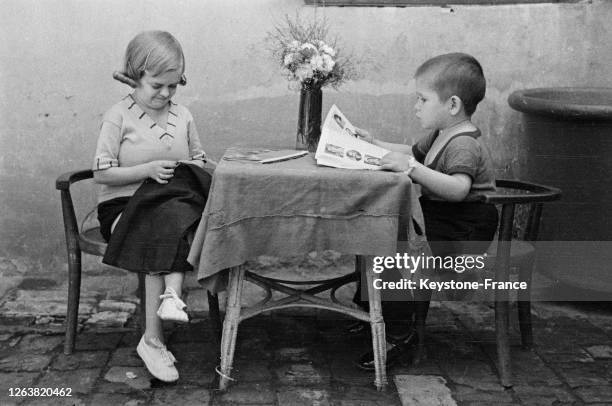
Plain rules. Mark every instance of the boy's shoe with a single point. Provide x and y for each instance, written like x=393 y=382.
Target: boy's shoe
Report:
x=158 y=360
x=172 y=307
x=357 y=327
x=394 y=352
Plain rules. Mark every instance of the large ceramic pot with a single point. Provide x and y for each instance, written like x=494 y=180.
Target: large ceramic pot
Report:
x=569 y=145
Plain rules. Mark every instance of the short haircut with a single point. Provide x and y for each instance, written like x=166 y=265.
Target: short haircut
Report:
x=456 y=74
x=155 y=52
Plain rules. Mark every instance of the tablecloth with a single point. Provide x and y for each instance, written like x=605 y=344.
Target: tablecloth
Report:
x=295 y=207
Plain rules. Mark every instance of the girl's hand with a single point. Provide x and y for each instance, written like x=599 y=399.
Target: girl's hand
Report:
x=364 y=135
x=161 y=171
x=396 y=162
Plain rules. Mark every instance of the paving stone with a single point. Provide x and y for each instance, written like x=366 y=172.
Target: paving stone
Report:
x=305 y=397
x=15 y=380
x=292 y=354
x=38 y=344
x=183 y=396
x=24 y=362
x=116 y=306
x=74 y=400
x=600 y=351
x=44 y=303
x=253 y=347
x=529 y=369
x=423 y=390
x=97 y=341
x=368 y=395
x=194 y=352
x=251 y=393
x=301 y=374
x=251 y=372
x=359 y=402
x=466 y=394
x=579 y=355
x=109 y=319
x=125 y=357
x=37 y=284
x=79 y=359
x=344 y=371
x=80 y=381
x=139 y=377
x=554 y=393
x=583 y=374
x=196 y=373
x=103 y=386
x=475 y=374
x=105 y=399
x=596 y=393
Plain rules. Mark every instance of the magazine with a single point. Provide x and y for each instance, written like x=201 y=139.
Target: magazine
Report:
x=263 y=155
x=340 y=147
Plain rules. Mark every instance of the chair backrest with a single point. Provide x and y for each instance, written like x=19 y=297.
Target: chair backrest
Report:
x=87 y=239
x=514 y=192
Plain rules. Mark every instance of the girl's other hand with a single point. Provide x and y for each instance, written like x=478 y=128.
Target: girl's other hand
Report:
x=364 y=135
x=161 y=171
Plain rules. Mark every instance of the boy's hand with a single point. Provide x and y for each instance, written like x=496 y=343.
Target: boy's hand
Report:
x=161 y=171
x=364 y=135
x=396 y=162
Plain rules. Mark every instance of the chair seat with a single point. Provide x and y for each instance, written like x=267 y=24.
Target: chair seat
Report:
x=92 y=242
x=521 y=253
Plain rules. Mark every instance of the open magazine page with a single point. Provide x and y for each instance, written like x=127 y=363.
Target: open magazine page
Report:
x=339 y=147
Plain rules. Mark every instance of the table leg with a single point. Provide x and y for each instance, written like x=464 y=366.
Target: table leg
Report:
x=230 y=325
x=379 y=344
x=502 y=316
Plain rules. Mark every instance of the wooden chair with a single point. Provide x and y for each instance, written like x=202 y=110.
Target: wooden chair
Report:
x=504 y=254
x=88 y=239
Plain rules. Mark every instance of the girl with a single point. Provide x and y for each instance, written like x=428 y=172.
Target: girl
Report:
x=149 y=164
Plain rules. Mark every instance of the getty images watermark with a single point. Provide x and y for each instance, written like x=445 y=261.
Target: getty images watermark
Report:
x=421 y=264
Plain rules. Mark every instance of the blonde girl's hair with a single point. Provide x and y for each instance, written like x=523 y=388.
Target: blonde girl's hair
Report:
x=154 y=52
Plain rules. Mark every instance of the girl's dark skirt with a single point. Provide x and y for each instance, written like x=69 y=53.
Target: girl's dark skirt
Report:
x=152 y=234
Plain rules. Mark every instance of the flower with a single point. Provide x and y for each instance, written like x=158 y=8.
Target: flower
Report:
x=308 y=56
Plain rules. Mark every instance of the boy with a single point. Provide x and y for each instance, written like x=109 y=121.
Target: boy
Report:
x=451 y=166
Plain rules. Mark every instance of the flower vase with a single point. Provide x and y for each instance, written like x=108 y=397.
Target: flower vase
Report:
x=309 y=118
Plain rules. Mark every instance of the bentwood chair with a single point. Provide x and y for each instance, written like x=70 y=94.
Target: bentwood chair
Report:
x=503 y=255
x=87 y=238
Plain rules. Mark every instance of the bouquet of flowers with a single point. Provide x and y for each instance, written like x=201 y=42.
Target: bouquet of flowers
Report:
x=308 y=56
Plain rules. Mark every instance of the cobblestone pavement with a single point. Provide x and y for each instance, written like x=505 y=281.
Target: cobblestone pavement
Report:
x=294 y=357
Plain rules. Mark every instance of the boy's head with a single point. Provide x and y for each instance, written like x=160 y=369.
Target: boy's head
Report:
x=454 y=74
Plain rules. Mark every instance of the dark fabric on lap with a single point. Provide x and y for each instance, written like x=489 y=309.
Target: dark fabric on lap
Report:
x=108 y=212
x=449 y=225
x=151 y=235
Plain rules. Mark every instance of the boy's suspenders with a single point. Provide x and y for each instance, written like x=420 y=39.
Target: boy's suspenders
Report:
x=434 y=162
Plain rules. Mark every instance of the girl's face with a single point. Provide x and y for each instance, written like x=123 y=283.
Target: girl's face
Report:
x=155 y=92
x=432 y=112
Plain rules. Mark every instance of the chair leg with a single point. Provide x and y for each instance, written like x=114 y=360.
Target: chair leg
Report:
x=503 y=345
x=230 y=326
x=422 y=299
x=524 y=306
x=214 y=313
x=142 y=296
x=74 y=294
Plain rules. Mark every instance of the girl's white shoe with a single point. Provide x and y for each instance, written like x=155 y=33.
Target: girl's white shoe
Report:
x=172 y=307
x=158 y=360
